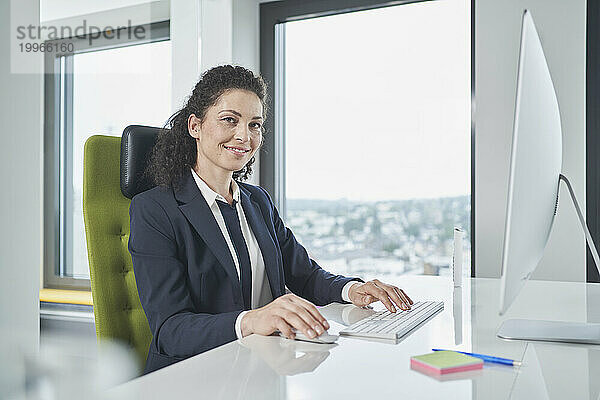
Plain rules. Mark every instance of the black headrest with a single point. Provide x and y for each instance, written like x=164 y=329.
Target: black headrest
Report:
x=136 y=145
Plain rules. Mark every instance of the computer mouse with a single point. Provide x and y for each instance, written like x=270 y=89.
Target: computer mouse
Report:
x=323 y=338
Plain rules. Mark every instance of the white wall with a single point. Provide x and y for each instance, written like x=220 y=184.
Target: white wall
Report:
x=246 y=33
x=216 y=33
x=185 y=50
x=201 y=38
x=561 y=26
x=21 y=199
x=246 y=49
x=207 y=33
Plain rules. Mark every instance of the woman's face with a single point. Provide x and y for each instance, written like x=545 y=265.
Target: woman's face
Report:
x=231 y=131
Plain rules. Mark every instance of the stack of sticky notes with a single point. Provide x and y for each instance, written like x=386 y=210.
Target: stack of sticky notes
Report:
x=445 y=362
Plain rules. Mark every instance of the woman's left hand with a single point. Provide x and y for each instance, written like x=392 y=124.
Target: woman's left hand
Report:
x=362 y=294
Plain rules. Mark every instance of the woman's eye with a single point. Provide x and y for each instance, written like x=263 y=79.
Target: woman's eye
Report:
x=256 y=125
x=229 y=119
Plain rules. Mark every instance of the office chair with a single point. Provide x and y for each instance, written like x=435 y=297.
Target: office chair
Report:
x=110 y=165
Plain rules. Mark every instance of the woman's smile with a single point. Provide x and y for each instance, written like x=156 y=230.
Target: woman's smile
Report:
x=237 y=151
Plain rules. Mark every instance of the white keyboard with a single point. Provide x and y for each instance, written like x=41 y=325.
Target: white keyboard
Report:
x=387 y=325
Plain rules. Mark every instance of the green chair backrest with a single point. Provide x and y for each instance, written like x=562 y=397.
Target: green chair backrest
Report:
x=117 y=309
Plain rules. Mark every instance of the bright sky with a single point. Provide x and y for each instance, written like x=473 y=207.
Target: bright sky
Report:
x=378 y=103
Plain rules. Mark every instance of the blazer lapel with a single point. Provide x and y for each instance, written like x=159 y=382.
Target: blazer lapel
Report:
x=200 y=216
x=256 y=221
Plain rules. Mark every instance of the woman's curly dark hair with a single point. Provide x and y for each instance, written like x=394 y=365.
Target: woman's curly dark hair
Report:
x=175 y=150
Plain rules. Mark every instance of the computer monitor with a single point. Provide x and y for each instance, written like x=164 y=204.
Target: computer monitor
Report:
x=534 y=179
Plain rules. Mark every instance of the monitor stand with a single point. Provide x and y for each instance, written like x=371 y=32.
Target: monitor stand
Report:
x=557 y=331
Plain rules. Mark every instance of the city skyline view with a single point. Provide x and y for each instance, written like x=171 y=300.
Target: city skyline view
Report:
x=385 y=238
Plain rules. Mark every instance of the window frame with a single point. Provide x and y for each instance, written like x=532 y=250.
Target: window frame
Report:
x=58 y=136
x=272 y=67
x=592 y=139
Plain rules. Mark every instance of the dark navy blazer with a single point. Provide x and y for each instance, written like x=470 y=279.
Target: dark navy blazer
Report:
x=186 y=277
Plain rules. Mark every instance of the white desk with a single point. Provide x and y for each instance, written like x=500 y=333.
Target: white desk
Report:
x=275 y=368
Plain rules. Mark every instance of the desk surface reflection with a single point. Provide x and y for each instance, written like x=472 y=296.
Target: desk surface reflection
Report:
x=276 y=368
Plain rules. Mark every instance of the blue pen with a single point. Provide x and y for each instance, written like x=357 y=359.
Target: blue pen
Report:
x=492 y=359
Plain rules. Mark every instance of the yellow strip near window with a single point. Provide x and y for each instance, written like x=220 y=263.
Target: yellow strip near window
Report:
x=66 y=296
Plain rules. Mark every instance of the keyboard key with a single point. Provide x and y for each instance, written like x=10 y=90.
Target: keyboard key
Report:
x=387 y=325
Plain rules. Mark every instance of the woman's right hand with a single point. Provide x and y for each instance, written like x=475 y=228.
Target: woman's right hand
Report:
x=285 y=313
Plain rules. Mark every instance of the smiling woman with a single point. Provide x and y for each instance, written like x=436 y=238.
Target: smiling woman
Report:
x=175 y=151
x=211 y=256
x=226 y=138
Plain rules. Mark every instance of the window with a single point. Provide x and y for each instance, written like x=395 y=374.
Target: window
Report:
x=370 y=155
x=97 y=89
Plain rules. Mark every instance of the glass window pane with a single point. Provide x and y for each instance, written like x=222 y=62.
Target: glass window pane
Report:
x=112 y=89
x=378 y=140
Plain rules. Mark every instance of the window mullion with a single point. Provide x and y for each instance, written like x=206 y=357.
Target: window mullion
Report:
x=279 y=117
x=67 y=175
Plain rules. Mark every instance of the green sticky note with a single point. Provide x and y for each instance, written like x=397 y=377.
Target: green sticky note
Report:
x=444 y=362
